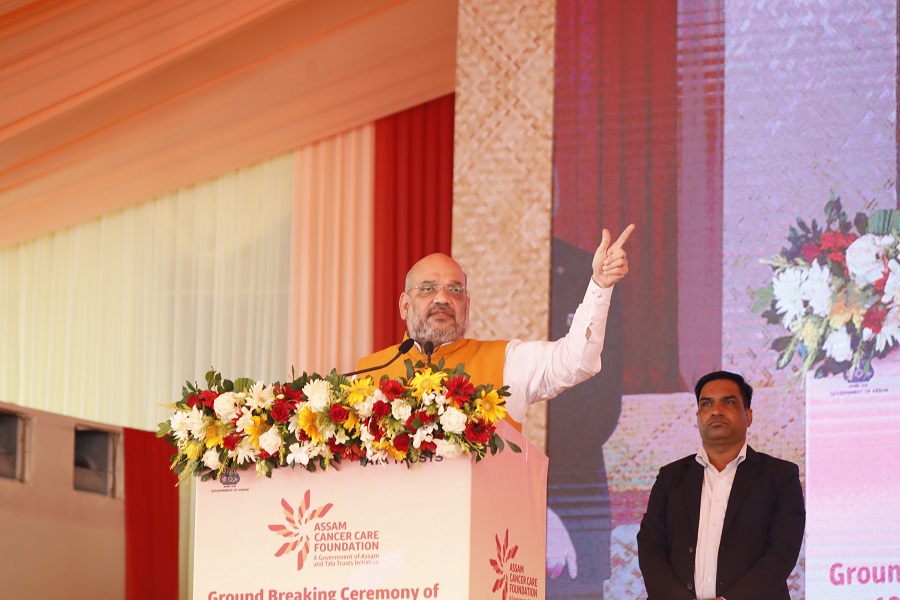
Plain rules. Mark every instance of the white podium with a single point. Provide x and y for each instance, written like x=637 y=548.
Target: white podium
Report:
x=447 y=528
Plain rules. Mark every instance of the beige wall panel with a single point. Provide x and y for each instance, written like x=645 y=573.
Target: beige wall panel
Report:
x=502 y=180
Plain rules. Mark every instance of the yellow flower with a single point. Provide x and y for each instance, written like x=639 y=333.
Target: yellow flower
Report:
x=358 y=390
x=306 y=420
x=194 y=449
x=488 y=406
x=811 y=332
x=426 y=382
x=216 y=433
x=846 y=309
x=255 y=430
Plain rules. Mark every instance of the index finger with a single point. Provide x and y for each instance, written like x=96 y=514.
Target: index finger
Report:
x=623 y=237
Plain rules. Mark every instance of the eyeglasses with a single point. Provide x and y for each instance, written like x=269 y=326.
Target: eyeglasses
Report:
x=430 y=289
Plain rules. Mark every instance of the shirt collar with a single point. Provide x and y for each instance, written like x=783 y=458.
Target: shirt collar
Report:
x=703 y=457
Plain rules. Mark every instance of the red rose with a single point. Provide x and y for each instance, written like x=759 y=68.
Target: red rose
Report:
x=381 y=408
x=391 y=388
x=193 y=401
x=401 y=442
x=290 y=397
x=376 y=431
x=425 y=418
x=428 y=446
x=810 y=252
x=836 y=243
x=281 y=412
x=410 y=422
x=338 y=413
x=335 y=447
x=874 y=317
x=231 y=440
x=208 y=398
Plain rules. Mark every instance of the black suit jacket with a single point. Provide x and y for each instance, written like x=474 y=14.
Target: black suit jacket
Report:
x=761 y=537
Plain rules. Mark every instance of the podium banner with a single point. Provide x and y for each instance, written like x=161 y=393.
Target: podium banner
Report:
x=852 y=487
x=444 y=528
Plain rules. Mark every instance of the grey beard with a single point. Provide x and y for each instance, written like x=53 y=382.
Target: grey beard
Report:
x=421 y=331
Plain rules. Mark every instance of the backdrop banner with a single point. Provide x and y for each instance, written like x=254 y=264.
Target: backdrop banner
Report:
x=445 y=528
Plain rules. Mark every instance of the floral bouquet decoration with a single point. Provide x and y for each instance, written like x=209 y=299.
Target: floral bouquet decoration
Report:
x=836 y=290
x=314 y=421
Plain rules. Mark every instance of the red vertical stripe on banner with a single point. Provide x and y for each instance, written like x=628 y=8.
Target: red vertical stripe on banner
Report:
x=413 y=203
x=615 y=160
x=151 y=518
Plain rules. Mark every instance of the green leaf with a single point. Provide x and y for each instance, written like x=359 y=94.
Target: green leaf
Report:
x=883 y=222
x=243 y=384
x=513 y=447
x=764 y=297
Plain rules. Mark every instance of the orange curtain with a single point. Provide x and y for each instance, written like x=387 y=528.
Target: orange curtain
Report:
x=413 y=203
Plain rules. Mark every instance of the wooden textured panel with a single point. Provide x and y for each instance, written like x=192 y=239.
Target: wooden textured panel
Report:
x=502 y=183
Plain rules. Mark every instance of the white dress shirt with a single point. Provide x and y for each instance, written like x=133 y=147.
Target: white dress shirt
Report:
x=713 y=502
x=536 y=371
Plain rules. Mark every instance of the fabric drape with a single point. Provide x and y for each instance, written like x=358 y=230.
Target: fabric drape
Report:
x=413 y=203
x=151 y=518
x=105 y=320
x=330 y=314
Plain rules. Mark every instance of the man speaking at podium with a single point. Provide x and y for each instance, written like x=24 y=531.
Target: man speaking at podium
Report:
x=435 y=306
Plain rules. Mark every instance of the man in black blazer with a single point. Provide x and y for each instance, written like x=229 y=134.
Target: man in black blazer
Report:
x=727 y=522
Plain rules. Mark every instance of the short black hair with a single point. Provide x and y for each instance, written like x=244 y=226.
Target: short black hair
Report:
x=746 y=388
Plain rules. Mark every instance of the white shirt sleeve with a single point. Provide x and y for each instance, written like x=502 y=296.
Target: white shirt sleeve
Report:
x=536 y=371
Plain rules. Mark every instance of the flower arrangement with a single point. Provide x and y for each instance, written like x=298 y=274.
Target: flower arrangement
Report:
x=314 y=421
x=837 y=292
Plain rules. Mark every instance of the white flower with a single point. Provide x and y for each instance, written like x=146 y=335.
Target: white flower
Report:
x=376 y=456
x=866 y=258
x=816 y=289
x=243 y=452
x=179 y=425
x=298 y=453
x=401 y=410
x=271 y=441
x=453 y=420
x=211 y=459
x=440 y=399
x=423 y=434
x=447 y=449
x=364 y=409
x=227 y=405
x=195 y=423
x=890 y=330
x=892 y=286
x=318 y=394
x=260 y=396
x=341 y=437
x=837 y=345
x=788 y=298
x=244 y=420
x=292 y=423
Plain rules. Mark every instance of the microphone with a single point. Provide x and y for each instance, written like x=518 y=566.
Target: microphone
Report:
x=428 y=348
x=405 y=347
